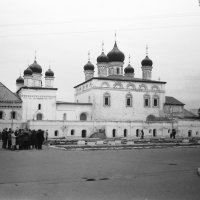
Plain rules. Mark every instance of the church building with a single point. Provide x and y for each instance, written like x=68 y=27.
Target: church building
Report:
x=115 y=102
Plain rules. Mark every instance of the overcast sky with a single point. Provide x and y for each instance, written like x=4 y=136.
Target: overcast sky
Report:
x=62 y=32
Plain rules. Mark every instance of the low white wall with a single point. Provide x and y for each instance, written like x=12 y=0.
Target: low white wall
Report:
x=156 y=129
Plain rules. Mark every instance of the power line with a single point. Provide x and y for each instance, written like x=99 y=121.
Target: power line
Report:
x=99 y=31
x=149 y=17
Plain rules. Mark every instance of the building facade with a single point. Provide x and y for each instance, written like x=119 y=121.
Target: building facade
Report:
x=115 y=102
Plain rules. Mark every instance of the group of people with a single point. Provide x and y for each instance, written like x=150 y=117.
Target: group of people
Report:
x=23 y=139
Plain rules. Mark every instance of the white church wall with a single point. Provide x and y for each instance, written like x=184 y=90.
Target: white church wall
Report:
x=32 y=98
x=72 y=111
x=118 y=111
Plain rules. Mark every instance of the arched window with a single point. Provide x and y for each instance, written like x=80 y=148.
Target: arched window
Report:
x=13 y=115
x=39 y=116
x=84 y=132
x=156 y=101
x=64 y=116
x=125 y=132
x=137 y=132
x=1 y=114
x=83 y=117
x=114 y=132
x=72 y=132
x=106 y=99
x=56 y=133
x=154 y=132
x=39 y=106
x=190 y=133
x=129 y=100
x=146 y=100
x=117 y=70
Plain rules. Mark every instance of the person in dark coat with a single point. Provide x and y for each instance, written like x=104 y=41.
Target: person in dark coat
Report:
x=40 y=136
x=4 y=138
x=33 y=139
x=9 y=139
x=142 y=134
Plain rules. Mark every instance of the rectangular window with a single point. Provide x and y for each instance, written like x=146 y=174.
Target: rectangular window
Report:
x=56 y=133
x=106 y=101
x=1 y=115
x=39 y=106
x=128 y=102
x=155 y=102
x=146 y=102
x=13 y=115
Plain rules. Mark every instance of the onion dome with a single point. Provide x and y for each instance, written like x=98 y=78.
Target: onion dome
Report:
x=35 y=67
x=129 y=69
x=49 y=72
x=20 y=80
x=115 y=55
x=147 y=61
x=28 y=72
x=89 y=66
x=103 y=58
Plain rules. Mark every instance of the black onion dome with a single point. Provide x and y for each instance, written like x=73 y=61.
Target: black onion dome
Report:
x=28 y=72
x=36 y=68
x=116 y=55
x=147 y=62
x=20 y=80
x=49 y=72
x=89 y=66
x=129 y=69
x=103 y=58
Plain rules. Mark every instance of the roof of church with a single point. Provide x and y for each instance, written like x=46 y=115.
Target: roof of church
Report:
x=8 y=96
x=121 y=78
x=72 y=103
x=172 y=101
x=37 y=88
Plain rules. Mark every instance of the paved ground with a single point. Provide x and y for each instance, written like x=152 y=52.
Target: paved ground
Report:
x=151 y=174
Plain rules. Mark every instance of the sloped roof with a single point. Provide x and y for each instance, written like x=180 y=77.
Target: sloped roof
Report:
x=7 y=96
x=72 y=103
x=173 y=101
x=188 y=114
x=121 y=78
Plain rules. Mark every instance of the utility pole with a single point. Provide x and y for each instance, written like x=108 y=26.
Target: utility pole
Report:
x=12 y=116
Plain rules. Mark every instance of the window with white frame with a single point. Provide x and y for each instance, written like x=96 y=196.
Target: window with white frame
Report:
x=1 y=114
x=129 y=100
x=13 y=115
x=106 y=99
x=146 y=101
x=155 y=101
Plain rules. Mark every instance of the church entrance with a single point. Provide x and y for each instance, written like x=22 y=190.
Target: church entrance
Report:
x=84 y=133
x=39 y=116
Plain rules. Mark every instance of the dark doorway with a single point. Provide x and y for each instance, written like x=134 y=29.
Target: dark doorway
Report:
x=84 y=133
